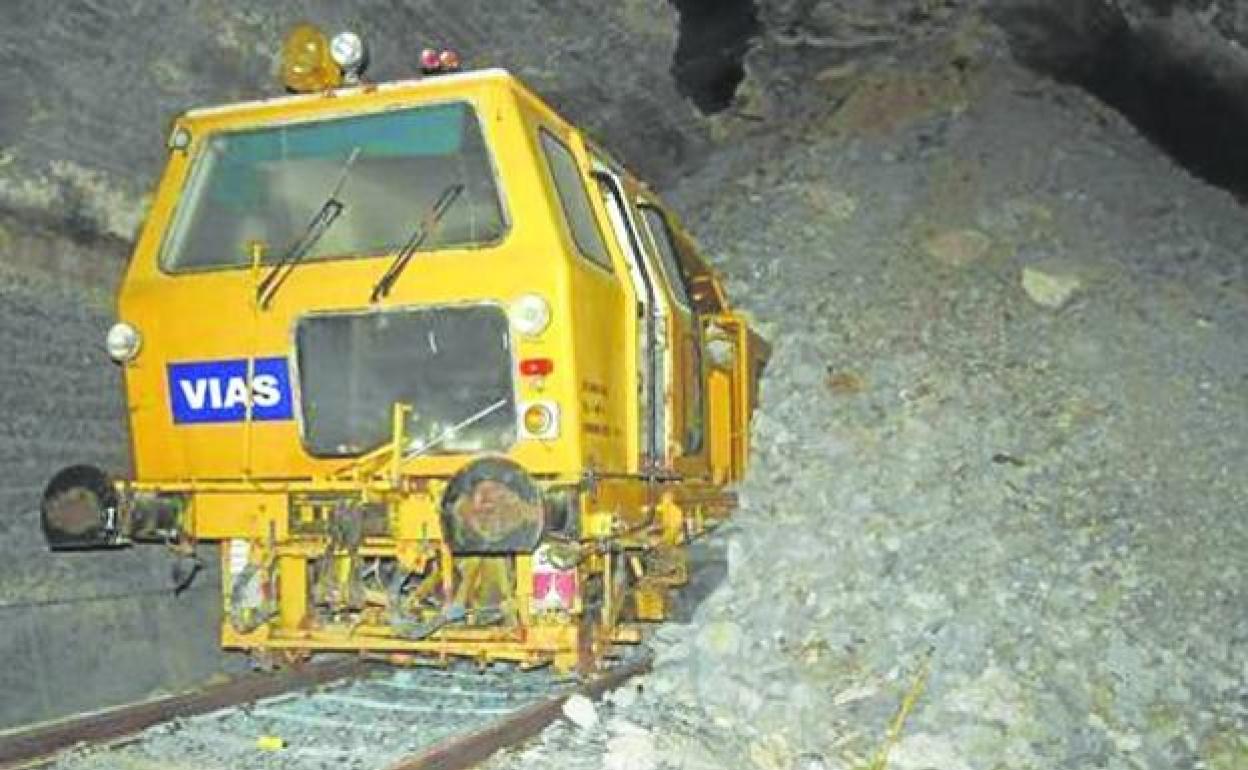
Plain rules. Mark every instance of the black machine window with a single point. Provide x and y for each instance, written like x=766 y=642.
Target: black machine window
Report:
x=386 y=169
x=574 y=198
x=452 y=365
x=662 y=238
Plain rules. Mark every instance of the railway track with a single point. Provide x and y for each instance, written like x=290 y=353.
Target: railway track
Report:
x=340 y=715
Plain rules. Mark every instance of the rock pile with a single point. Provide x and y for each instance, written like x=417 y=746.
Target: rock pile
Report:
x=996 y=513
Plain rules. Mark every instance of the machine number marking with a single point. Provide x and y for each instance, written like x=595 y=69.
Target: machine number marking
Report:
x=217 y=391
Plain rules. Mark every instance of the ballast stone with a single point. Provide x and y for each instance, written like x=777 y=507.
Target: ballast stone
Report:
x=958 y=248
x=1050 y=289
x=581 y=711
x=630 y=747
x=721 y=639
x=922 y=751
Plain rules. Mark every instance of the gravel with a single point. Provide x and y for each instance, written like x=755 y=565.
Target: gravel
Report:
x=996 y=512
x=373 y=722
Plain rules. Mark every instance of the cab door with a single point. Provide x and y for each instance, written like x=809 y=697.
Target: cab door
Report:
x=652 y=311
x=688 y=377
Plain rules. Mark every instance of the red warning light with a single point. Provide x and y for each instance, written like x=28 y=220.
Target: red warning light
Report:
x=536 y=367
x=430 y=62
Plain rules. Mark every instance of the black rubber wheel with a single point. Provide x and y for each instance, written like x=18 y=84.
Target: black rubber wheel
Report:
x=80 y=509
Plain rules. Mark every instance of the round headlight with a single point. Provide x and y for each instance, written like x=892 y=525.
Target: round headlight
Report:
x=122 y=342
x=538 y=420
x=530 y=314
x=347 y=49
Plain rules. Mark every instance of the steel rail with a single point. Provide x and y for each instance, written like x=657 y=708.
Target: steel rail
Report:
x=23 y=747
x=464 y=751
x=42 y=744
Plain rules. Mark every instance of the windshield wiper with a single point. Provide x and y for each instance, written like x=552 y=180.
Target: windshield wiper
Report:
x=325 y=217
x=428 y=224
x=417 y=448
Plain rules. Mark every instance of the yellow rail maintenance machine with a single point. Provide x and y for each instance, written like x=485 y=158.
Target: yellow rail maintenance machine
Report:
x=441 y=377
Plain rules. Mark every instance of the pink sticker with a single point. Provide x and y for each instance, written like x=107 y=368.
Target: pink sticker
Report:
x=555 y=588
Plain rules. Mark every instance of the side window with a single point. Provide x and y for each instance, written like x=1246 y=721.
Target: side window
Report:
x=695 y=428
x=662 y=238
x=574 y=198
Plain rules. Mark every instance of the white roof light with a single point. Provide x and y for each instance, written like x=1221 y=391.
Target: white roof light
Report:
x=349 y=53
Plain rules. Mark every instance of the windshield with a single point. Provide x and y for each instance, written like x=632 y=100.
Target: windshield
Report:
x=266 y=185
x=452 y=365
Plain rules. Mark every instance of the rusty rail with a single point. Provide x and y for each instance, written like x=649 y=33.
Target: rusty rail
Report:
x=465 y=751
x=20 y=748
x=42 y=743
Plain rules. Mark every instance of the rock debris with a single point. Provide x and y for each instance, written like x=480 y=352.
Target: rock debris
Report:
x=996 y=514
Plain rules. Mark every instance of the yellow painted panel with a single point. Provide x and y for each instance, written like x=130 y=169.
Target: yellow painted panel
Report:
x=237 y=515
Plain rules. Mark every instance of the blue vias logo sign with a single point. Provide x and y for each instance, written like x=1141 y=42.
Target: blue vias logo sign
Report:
x=218 y=391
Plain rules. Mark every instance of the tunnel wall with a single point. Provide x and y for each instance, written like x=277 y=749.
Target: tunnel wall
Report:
x=80 y=630
x=83 y=122
x=1177 y=75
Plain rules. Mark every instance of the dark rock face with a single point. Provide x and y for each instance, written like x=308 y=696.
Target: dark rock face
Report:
x=714 y=37
x=1174 y=69
x=83 y=126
